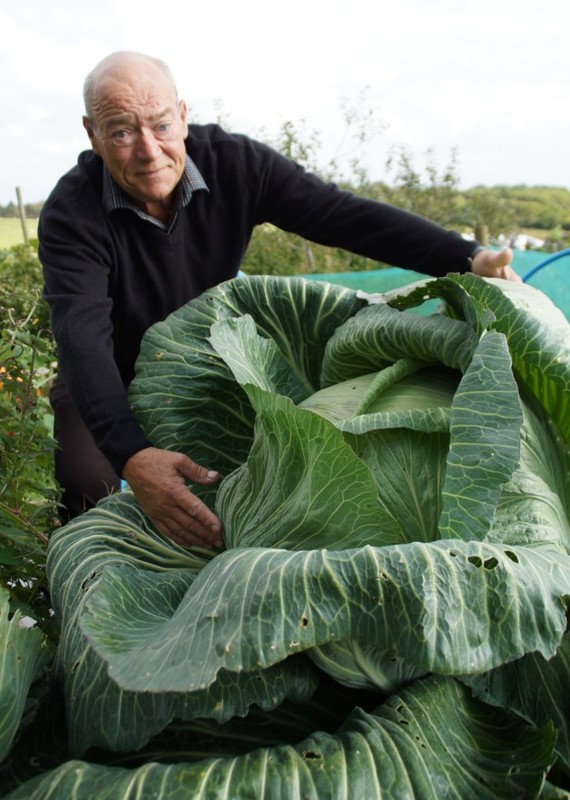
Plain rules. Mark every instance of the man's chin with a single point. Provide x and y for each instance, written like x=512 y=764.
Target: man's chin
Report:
x=152 y=193
x=152 y=187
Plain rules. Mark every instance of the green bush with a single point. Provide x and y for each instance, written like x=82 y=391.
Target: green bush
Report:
x=28 y=495
x=276 y=252
x=21 y=288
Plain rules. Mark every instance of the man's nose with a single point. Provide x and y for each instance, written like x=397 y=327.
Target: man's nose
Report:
x=147 y=146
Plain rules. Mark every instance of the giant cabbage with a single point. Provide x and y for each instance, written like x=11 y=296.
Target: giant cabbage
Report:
x=388 y=617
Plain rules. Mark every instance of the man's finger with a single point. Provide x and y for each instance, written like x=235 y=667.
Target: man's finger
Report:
x=196 y=473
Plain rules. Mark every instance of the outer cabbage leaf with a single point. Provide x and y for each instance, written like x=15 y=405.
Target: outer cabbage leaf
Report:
x=22 y=660
x=484 y=449
x=539 y=340
x=43 y=744
x=449 y=607
x=153 y=575
x=537 y=331
x=536 y=689
x=431 y=741
x=380 y=335
x=533 y=504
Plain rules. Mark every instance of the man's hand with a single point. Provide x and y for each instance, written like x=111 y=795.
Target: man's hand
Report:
x=157 y=478
x=494 y=264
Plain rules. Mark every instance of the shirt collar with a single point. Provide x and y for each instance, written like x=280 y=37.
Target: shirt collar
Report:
x=114 y=197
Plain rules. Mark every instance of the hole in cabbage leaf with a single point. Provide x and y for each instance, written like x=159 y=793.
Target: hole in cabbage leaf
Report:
x=489 y=563
x=512 y=556
x=89 y=580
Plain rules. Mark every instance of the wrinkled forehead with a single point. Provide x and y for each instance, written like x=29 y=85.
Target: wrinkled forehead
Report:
x=131 y=88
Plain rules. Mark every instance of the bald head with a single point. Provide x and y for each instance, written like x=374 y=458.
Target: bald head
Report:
x=116 y=67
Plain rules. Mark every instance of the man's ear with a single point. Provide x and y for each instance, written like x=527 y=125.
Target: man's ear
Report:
x=184 y=116
x=92 y=135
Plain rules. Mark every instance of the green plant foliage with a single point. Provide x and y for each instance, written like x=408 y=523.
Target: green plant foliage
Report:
x=28 y=496
x=369 y=750
x=275 y=252
x=427 y=192
x=21 y=287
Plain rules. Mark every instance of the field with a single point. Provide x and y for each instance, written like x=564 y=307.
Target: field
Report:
x=11 y=231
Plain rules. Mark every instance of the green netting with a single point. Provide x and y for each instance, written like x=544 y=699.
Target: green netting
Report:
x=553 y=279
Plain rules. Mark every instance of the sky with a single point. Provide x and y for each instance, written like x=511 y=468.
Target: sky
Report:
x=488 y=81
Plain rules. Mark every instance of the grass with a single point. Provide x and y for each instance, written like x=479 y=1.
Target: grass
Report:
x=11 y=231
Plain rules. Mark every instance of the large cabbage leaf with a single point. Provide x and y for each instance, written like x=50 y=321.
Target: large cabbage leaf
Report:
x=430 y=741
x=537 y=331
x=447 y=606
x=23 y=656
x=154 y=576
x=535 y=689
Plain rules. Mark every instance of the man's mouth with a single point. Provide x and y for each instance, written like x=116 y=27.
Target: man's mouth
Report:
x=149 y=173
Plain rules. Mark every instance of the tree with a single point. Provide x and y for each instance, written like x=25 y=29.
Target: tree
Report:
x=432 y=193
x=484 y=206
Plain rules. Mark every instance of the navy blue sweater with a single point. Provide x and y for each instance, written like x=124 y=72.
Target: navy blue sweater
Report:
x=110 y=275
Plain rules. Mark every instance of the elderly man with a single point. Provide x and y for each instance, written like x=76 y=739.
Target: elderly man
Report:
x=154 y=214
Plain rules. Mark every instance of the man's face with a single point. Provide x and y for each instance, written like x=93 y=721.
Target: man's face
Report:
x=138 y=128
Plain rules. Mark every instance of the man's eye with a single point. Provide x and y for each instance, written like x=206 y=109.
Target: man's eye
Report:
x=163 y=128
x=121 y=137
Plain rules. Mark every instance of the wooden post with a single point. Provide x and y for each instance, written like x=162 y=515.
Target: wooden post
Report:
x=482 y=235
x=22 y=212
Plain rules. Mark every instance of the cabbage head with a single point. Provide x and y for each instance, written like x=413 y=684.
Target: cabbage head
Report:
x=388 y=616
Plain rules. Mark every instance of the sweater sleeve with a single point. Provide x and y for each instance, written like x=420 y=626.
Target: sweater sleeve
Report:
x=76 y=266
x=299 y=202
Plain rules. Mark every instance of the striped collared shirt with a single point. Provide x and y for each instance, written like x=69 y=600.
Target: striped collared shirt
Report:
x=191 y=181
